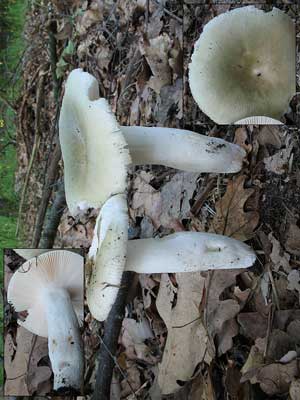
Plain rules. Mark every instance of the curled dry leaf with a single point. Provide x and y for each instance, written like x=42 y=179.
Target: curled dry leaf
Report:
x=231 y=219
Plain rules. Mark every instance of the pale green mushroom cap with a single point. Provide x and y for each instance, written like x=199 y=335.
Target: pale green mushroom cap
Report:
x=94 y=151
x=243 y=65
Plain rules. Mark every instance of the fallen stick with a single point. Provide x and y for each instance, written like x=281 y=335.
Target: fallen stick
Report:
x=53 y=218
x=109 y=346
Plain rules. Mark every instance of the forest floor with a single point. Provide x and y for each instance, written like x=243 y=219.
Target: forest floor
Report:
x=213 y=335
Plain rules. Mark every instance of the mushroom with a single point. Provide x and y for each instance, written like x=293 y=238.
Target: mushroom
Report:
x=243 y=65
x=110 y=254
x=50 y=288
x=97 y=152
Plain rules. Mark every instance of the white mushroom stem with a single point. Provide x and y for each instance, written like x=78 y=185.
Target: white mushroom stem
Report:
x=64 y=339
x=182 y=149
x=187 y=252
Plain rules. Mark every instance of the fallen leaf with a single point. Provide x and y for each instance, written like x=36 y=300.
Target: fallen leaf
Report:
x=221 y=314
x=276 y=378
x=241 y=138
x=231 y=219
x=279 y=162
x=292 y=243
x=187 y=342
x=294 y=281
x=269 y=135
x=156 y=52
x=295 y=390
x=23 y=375
x=279 y=258
x=168 y=206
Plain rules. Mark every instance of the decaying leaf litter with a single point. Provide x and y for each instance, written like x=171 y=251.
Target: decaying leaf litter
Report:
x=209 y=320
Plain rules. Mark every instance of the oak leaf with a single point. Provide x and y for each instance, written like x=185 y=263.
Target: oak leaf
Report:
x=231 y=219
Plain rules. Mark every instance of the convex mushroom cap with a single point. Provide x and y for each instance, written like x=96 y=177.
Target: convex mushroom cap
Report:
x=243 y=65
x=97 y=152
x=50 y=288
x=111 y=254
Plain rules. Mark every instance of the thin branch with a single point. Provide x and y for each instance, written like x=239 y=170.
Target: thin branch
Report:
x=53 y=218
x=37 y=139
x=50 y=180
x=109 y=345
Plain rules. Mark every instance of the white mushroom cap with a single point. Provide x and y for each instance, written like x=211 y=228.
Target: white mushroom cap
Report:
x=258 y=121
x=187 y=252
x=244 y=65
x=108 y=256
x=58 y=268
x=93 y=148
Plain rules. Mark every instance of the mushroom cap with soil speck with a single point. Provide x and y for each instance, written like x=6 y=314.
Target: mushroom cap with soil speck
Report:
x=243 y=65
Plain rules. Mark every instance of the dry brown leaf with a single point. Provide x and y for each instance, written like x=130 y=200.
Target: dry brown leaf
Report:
x=231 y=219
x=187 y=342
x=156 y=52
x=279 y=162
x=169 y=205
x=295 y=390
x=269 y=134
x=23 y=375
x=241 y=138
x=279 y=258
x=221 y=313
x=292 y=243
x=294 y=281
x=91 y=16
x=276 y=378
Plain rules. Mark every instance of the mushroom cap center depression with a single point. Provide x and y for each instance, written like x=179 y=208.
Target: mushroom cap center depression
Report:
x=244 y=59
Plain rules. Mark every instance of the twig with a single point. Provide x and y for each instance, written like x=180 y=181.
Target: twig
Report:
x=166 y=11
x=53 y=167
x=274 y=290
x=270 y=323
x=202 y=196
x=53 y=219
x=37 y=139
x=50 y=180
x=109 y=346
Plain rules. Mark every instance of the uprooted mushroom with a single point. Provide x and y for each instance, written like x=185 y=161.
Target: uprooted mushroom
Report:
x=50 y=288
x=97 y=151
x=243 y=66
x=111 y=254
